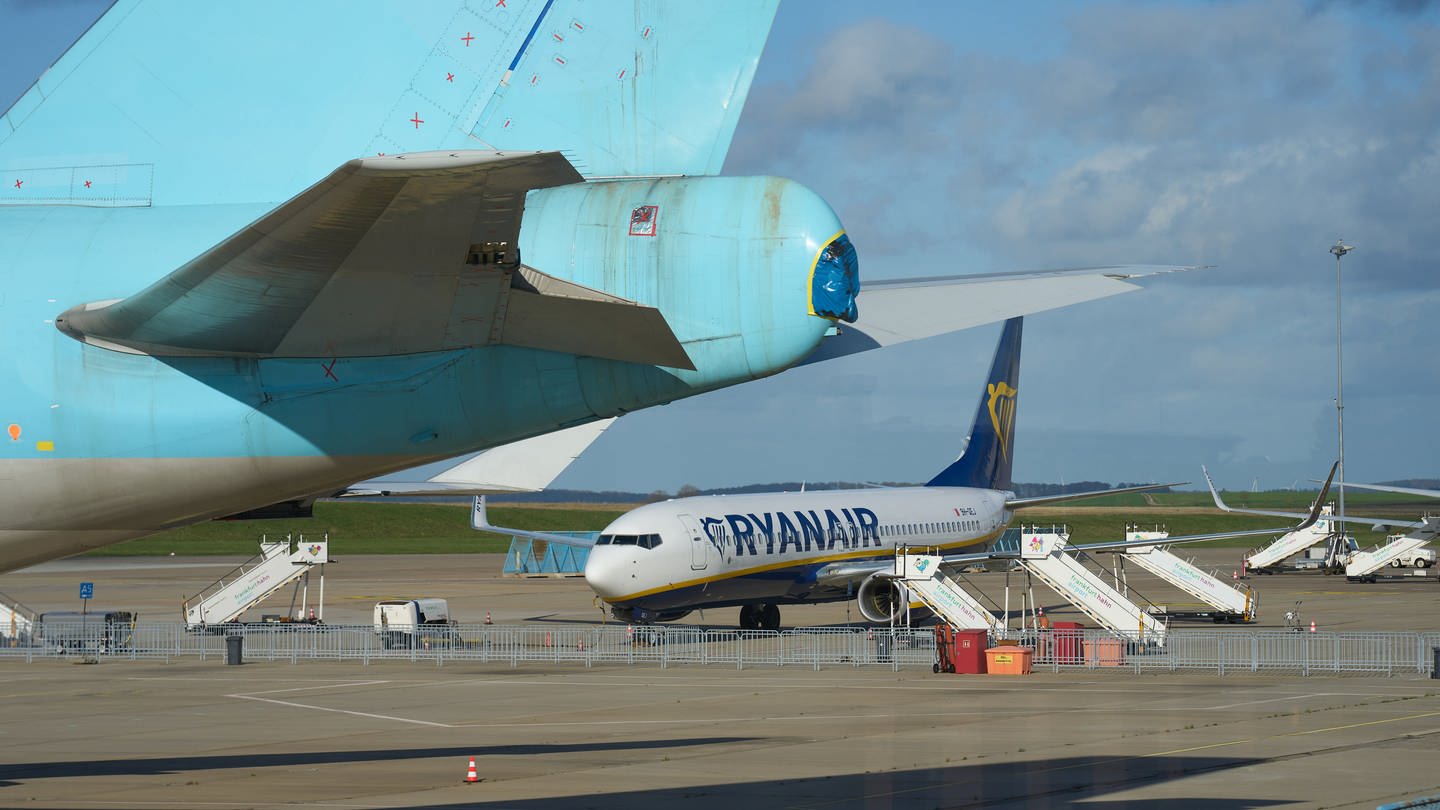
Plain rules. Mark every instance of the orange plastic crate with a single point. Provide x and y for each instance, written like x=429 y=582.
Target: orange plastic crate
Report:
x=1105 y=652
x=1008 y=660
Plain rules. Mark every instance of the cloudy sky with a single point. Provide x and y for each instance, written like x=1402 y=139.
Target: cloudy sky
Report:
x=969 y=137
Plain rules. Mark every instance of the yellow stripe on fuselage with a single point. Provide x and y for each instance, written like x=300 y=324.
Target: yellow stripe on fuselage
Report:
x=760 y=569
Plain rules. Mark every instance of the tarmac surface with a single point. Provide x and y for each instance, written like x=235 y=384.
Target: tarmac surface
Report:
x=129 y=734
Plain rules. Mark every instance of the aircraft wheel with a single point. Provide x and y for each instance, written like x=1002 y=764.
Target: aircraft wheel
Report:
x=935 y=668
x=750 y=617
x=769 y=617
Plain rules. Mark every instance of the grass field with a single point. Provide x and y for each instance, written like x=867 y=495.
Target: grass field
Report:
x=372 y=528
x=394 y=528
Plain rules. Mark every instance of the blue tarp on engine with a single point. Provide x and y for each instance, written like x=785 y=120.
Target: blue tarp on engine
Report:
x=836 y=281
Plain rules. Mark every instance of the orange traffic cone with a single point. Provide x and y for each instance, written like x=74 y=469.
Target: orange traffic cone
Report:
x=1312 y=625
x=487 y=618
x=1234 y=574
x=470 y=775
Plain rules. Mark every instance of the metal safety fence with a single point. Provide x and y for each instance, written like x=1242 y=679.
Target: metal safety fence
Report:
x=1228 y=651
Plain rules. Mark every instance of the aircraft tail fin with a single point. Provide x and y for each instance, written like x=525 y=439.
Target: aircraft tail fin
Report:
x=986 y=460
x=178 y=103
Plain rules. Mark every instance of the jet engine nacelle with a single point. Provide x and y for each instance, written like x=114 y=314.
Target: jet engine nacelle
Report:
x=882 y=599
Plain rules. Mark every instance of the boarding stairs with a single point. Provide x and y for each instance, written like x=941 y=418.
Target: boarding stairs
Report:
x=1365 y=563
x=1042 y=552
x=17 y=622
x=925 y=579
x=279 y=563
x=1230 y=600
x=1292 y=543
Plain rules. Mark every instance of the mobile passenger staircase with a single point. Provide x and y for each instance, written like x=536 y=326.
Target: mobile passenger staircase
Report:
x=1042 y=552
x=1364 y=564
x=924 y=579
x=279 y=563
x=1265 y=560
x=17 y=622
x=1228 y=602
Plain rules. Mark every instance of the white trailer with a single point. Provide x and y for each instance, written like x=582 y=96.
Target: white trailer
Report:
x=410 y=623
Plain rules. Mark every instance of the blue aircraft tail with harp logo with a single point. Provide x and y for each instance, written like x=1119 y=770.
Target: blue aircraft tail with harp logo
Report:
x=986 y=461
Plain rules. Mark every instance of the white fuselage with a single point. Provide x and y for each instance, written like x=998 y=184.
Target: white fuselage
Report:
x=717 y=550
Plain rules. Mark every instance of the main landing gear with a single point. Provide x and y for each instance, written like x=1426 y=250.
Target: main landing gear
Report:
x=760 y=617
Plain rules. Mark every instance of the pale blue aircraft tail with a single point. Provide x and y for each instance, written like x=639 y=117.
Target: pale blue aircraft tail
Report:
x=165 y=102
x=986 y=460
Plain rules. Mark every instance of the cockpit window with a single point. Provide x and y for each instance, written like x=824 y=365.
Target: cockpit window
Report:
x=835 y=281
x=641 y=540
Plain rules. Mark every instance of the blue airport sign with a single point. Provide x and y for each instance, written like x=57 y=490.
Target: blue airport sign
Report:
x=87 y=590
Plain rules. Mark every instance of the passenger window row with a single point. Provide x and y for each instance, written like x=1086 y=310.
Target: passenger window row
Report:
x=894 y=530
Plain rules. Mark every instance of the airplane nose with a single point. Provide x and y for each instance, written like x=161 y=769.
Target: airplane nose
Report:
x=605 y=572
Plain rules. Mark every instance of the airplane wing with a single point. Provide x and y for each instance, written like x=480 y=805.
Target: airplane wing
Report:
x=386 y=256
x=528 y=465
x=902 y=310
x=1017 y=503
x=480 y=521
x=1221 y=505
x=839 y=575
x=1424 y=493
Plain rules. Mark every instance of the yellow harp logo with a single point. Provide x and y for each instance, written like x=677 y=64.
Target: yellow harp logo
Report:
x=1002 y=413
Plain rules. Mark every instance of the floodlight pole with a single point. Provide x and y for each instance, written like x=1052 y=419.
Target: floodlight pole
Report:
x=1339 y=249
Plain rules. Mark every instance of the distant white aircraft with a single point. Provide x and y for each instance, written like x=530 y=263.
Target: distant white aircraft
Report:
x=661 y=561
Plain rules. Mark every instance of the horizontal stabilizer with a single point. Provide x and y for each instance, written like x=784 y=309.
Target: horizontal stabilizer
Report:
x=529 y=465
x=903 y=310
x=386 y=256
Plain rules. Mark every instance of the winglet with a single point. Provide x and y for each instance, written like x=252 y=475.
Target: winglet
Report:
x=480 y=522
x=1320 y=499
x=478 y=519
x=1219 y=504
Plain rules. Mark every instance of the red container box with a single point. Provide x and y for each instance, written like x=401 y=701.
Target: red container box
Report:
x=1069 y=638
x=969 y=651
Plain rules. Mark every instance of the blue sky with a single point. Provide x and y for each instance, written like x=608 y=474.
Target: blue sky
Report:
x=969 y=137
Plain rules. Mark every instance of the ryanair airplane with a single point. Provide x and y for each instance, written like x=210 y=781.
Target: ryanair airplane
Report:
x=663 y=560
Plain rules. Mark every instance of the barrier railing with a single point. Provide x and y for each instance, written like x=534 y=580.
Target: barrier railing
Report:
x=1229 y=651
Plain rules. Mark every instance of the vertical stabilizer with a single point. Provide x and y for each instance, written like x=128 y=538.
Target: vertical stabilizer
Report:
x=989 y=452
